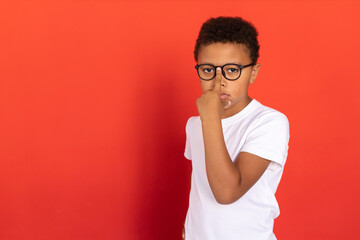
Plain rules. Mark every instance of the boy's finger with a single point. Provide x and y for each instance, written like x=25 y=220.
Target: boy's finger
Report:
x=217 y=80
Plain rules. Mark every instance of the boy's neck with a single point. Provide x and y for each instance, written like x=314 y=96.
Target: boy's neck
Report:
x=236 y=108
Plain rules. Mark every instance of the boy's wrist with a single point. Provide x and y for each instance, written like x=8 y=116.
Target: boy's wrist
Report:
x=210 y=120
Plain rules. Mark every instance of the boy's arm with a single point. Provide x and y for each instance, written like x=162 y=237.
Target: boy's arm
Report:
x=228 y=181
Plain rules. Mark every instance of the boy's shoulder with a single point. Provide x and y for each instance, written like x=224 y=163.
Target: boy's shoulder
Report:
x=193 y=121
x=268 y=116
x=268 y=112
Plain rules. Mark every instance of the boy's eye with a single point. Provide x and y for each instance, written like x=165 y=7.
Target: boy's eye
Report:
x=207 y=70
x=233 y=70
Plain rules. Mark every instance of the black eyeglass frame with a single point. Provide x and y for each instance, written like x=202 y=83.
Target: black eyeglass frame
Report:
x=222 y=70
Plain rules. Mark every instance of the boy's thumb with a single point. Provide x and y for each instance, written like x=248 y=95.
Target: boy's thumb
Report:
x=217 y=80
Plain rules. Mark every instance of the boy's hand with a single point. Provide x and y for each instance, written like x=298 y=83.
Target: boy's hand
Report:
x=209 y=103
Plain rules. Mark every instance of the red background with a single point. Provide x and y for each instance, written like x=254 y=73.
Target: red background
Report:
x=94 y=97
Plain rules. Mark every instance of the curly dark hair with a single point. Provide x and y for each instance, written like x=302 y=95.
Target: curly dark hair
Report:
x=228 y=30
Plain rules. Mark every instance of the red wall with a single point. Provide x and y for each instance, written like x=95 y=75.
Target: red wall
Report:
x=94 y=97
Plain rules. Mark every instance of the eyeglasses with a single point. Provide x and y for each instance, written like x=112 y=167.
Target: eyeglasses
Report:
x=230 y=71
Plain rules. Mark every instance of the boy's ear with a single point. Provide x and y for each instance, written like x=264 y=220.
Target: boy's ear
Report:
x=254 y=72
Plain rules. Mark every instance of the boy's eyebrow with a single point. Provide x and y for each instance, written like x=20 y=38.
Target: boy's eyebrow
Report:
x=207 y=63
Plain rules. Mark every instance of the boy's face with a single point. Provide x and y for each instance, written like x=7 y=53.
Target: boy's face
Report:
x=234 y=94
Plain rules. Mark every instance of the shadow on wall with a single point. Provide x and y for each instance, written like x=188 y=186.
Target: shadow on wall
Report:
x=164 y=173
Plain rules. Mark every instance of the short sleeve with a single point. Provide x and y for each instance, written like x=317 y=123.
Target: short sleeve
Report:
x=187 y=152
x=268 y=137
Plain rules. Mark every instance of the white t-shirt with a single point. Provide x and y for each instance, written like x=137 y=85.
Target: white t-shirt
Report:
x=256 y=129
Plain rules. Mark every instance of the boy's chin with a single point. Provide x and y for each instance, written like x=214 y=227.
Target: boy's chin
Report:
x=227 y=104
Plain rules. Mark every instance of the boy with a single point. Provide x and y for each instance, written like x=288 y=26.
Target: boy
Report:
x=238 y=146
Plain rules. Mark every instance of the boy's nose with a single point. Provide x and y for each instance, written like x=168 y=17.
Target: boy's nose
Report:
x=223 y=80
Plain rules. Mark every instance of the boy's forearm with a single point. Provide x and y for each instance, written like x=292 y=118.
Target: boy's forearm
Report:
x=224 y=178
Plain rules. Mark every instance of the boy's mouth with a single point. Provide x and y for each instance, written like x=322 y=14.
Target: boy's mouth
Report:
x=224 y=96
